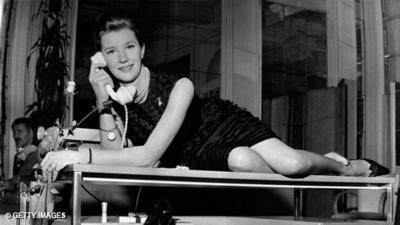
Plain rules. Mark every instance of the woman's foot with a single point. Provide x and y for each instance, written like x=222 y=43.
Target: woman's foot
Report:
x=358 y=167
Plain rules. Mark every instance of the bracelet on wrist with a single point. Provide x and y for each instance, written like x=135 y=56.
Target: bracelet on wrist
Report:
x=90 y=155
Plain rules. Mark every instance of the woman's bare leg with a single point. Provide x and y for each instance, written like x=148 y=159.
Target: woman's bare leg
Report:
x=298 y=163
x=244 y=159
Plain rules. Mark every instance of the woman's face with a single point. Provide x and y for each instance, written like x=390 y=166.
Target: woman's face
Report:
x=123 y=54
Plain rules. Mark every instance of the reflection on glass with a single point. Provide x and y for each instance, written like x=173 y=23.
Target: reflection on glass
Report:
x=294 y=60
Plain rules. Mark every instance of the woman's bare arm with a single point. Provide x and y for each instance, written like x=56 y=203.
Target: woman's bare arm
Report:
x=146 y=155
x=160 y=138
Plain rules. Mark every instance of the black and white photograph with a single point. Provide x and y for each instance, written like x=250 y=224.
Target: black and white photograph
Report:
x=199 y=112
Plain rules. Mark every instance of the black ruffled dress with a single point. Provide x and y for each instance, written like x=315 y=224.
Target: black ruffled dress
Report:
x=211 y=129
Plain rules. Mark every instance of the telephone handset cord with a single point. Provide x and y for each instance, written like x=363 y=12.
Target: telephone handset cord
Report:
x=123 y=141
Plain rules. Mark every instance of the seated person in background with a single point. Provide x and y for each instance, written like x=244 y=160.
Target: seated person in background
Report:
x=168 y=125
x=24 y=160
x=26 y=156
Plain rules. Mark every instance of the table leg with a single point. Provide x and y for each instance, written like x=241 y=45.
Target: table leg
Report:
x=390 y=195
x=76 y=198
x=297 y=203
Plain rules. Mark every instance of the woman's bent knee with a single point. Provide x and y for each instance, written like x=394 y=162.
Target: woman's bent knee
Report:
x=239 y=159
x=296 y=167
x=244 y=159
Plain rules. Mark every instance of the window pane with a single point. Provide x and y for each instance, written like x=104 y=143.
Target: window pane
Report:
x=294 y=61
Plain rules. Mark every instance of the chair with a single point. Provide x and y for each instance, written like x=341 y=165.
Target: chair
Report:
x=381 y=212
x=351 y=212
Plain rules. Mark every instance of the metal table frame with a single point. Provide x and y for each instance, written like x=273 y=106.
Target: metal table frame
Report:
x=135 y=176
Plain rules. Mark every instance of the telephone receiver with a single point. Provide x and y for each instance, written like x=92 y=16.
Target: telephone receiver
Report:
x=124 y=94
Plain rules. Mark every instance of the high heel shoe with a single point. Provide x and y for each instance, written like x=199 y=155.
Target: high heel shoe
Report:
x=376 y=168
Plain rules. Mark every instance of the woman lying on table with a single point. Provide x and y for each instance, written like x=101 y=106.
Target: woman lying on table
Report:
x=169 y=126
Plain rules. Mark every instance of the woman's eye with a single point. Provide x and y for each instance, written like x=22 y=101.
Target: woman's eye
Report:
x=130 y=46
x=109 y=52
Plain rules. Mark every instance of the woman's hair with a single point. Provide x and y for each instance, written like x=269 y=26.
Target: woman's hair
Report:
x=114 y=20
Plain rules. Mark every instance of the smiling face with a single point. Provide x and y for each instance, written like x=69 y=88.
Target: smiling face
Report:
x=123 y=54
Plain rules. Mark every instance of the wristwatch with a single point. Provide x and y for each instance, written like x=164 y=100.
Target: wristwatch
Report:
x=111 y=136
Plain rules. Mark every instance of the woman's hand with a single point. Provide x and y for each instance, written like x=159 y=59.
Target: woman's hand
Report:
x=99 y=78
x=55 y=161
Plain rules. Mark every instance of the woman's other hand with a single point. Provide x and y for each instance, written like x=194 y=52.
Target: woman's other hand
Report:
x=55 y=161
x=99 y=78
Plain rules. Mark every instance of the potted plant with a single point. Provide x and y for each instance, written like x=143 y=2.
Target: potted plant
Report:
x=51 y=73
